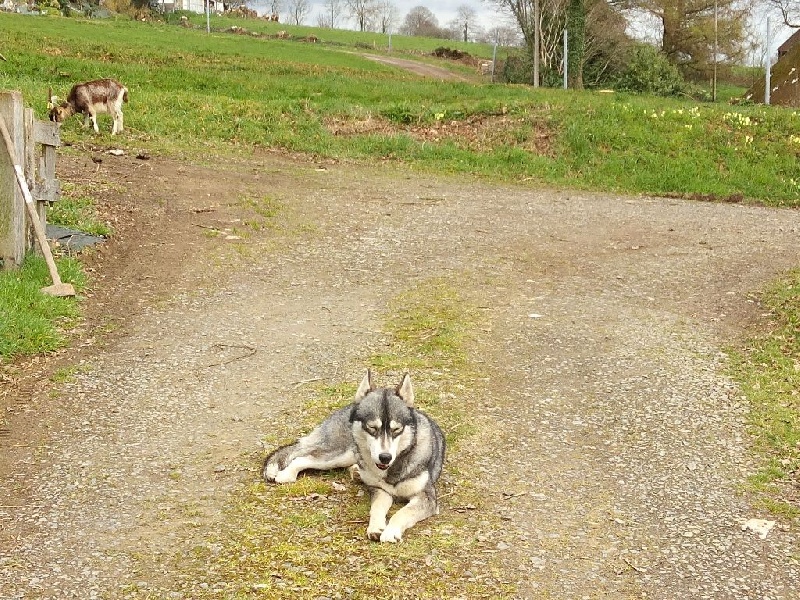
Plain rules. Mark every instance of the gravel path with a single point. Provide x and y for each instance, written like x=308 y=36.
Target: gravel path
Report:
x=618 y=447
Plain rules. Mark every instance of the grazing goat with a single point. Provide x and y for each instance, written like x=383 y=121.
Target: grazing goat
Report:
x=89 y=99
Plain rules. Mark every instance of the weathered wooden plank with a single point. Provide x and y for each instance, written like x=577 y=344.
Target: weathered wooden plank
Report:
x=29 y=168
x=45 y=132
x=12 y=202
x=48 y=187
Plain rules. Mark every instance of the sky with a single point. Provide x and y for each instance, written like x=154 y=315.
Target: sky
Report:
x=488 y=16
x=445 y=10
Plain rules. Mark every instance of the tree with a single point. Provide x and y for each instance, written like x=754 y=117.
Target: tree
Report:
x=604 y=45
x=503 y=35
x=363 y=12
x=688 y=31
x=789 y=9
x=576 y=41
x=526 y=13
x=330 y=14
x=596 y=38
x=420 y=21
x=275 y=7
x=386 y=16
x=298 y=10
x=466 y=17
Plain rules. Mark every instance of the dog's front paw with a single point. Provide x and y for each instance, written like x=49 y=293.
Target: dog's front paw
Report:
x=374 y=532
x=285 y=476
x=391 y=534
x=270 y=472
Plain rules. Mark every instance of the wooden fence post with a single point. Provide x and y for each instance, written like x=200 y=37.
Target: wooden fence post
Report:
x=12 y=202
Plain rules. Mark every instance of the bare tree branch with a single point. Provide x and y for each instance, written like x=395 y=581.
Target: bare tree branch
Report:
x=788 y=10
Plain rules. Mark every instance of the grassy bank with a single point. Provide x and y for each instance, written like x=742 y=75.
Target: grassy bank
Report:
x=196 y=94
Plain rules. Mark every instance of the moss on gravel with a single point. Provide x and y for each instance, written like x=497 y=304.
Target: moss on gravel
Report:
x=307 y=539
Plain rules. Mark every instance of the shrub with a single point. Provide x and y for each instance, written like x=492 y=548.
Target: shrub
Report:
x=648 y=71
x=517 y=68
x=136 y=9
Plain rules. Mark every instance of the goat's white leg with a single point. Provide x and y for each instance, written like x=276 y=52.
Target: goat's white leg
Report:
x=118 y=123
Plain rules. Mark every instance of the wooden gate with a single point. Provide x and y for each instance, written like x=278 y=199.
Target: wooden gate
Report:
x=35 y=143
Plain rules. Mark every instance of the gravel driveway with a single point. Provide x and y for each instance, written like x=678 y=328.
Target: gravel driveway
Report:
x=614 y=446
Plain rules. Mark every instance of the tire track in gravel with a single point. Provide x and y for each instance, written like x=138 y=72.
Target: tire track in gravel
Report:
x=617 y=442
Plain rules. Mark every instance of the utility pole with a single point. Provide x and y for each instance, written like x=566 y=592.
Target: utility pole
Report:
x=536 y=43
x=768 y=59
x=494 y=58
x=716 y=43
x=566 y=60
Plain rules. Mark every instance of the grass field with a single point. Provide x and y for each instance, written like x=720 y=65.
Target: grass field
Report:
x=194 y=93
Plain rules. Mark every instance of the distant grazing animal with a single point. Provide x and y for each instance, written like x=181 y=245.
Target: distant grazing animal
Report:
x=89 y=99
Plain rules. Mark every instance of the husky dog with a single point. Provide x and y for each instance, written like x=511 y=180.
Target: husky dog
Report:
x=394 y=449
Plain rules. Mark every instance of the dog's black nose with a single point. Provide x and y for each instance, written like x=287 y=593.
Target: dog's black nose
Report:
x=385 y=458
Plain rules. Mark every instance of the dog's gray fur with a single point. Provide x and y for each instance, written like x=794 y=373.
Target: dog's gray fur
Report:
x=396 y=450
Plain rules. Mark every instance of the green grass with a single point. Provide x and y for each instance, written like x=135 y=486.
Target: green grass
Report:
x=727 y=92
x=33 y=322
x=67 y=374
x=769 y=371
x=77 y=210
x=264 y=212
x=233 y=93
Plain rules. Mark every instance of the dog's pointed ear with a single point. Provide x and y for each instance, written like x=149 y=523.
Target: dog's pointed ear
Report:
x=51 y=100
x=365 y=387
x=406 y=391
